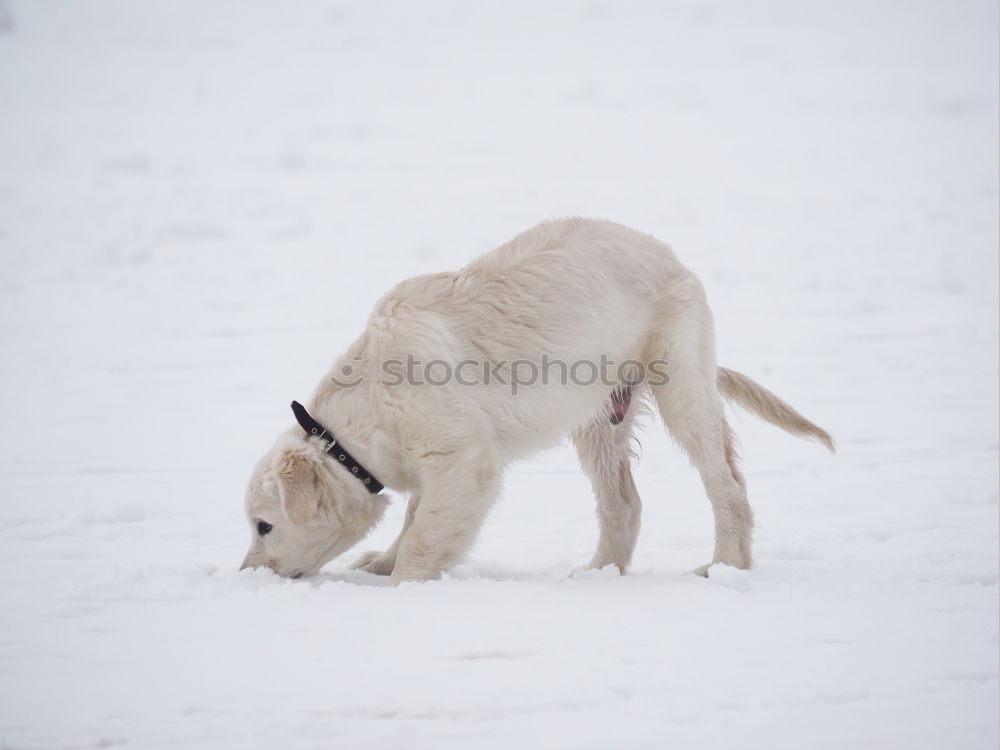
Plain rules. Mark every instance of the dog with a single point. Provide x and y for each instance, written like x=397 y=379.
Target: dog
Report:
x=564 y=295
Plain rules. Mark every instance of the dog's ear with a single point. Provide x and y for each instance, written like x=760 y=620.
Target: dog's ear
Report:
x=299 y=485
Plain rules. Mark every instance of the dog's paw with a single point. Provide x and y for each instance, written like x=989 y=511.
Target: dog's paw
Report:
x=375 y=562
x=702 y=570
x=601 y=564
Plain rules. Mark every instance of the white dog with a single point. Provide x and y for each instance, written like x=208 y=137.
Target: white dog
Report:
x=510 y=347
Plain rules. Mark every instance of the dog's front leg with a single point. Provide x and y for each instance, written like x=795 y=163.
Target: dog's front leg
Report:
x=457 y=492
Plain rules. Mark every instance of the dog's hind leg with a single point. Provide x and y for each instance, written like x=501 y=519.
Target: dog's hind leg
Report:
x=604 y=448
x=382 y=563
x=693 y=411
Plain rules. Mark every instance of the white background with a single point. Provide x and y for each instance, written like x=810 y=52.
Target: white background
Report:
x=199 y=202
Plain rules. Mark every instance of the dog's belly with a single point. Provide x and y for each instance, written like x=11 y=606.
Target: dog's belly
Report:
x=541 y=417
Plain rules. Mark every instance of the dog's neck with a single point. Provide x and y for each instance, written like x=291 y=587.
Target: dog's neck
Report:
x=347 y=406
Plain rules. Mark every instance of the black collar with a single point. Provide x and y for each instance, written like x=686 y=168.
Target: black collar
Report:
x=334 y=450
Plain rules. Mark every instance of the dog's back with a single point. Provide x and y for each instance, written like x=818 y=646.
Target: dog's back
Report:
x=574 y=291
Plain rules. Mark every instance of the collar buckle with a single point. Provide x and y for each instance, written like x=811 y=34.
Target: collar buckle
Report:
x=345 y=459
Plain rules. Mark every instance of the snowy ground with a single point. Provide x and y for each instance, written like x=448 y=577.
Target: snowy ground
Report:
x=183 y=184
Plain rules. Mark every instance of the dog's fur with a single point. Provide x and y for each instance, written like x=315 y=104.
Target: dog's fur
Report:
x=573 y=289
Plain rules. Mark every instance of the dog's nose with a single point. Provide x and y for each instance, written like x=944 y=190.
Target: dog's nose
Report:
x=246 y=563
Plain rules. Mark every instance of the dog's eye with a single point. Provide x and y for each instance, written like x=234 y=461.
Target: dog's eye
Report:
x=263 y=528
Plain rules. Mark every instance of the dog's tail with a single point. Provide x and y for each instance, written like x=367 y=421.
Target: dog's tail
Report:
x=756 y=399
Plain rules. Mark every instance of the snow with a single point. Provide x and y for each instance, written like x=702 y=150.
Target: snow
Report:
x=199 y=203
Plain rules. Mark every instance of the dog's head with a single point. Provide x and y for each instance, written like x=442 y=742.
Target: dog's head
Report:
x=303 y=509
